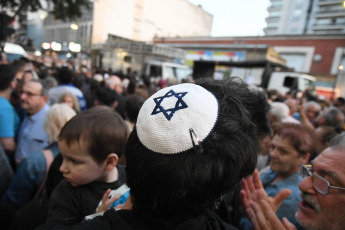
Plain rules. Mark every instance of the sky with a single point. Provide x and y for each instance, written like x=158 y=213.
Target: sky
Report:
x=236 y=17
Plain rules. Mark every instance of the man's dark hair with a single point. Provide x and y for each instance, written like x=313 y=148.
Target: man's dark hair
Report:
x=132 y=107
x=341 y=100
x=106 y=96
x=7 y=73
x=168 y=189
x=65 y=75
x=100 y=128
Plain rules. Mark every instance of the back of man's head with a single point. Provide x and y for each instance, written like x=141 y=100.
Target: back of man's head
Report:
x=106 y=96
x=334 y=117
x=190 y=145
x=7 y=73
x=132 y=107
x=65 y=75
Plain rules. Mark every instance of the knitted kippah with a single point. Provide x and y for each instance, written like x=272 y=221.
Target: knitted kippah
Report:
x=177 y=118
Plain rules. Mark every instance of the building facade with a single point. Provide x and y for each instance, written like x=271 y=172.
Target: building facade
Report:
x=139 y=20
x=142 y=20
x=322 y=56
x=306 y=17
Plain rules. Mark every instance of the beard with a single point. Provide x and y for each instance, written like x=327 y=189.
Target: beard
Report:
x=324 y=220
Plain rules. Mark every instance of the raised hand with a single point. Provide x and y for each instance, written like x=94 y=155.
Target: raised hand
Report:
x=253 y=191
x=263 y=217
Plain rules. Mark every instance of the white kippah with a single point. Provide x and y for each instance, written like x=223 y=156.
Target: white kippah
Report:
x=168 y=119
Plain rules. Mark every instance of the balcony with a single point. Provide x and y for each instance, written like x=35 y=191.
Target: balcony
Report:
x=330 y=14
x=335 y=27
x=329 y=2
x=270 y=30
x=272 y=19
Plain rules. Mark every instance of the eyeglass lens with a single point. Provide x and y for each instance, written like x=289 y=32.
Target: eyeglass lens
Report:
x=319 y=184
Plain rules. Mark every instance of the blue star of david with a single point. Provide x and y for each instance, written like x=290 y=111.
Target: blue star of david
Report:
x=169 y=113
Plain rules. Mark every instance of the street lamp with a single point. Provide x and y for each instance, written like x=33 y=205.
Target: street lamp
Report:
x=74 y=27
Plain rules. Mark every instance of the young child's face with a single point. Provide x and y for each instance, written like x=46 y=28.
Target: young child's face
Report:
x=78 y=166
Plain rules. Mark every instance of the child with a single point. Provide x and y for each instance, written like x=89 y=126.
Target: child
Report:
x=91 y=144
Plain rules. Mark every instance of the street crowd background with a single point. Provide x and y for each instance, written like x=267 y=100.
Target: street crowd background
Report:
x=82 y=88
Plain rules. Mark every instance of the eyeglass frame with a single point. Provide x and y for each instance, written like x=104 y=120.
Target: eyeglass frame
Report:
x=29 y=94
x=310 y=173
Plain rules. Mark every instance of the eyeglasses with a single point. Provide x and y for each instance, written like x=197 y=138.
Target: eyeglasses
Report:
x=320 y=184
x=29 y=94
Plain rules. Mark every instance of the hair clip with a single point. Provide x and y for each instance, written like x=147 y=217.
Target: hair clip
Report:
x=196 y=141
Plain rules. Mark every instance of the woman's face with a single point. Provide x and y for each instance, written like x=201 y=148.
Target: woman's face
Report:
x=69 y=101
x=285 y=159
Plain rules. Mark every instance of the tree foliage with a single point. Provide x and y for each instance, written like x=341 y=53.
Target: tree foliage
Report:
x=61 y=9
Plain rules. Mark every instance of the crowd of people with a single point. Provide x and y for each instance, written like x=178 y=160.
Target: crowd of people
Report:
x=84 y=149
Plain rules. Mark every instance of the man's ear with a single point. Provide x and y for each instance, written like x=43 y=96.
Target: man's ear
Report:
x=45 y=98
x=13 y=84
x=111 y=161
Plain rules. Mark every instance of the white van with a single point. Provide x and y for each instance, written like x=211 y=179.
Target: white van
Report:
x=291 y=81
x=14 y=51
x=167 y=70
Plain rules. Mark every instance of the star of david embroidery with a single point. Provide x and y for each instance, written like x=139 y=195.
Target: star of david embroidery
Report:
x=169 y=112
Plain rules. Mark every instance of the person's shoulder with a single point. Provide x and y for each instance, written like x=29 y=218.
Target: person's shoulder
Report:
x=64 y=191
x=268 y=175
x=71 y=88
x=5 y=104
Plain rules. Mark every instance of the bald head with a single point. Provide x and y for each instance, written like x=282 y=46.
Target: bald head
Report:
x=114 y=83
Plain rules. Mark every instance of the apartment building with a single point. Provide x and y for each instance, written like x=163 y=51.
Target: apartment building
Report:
x=305 y=17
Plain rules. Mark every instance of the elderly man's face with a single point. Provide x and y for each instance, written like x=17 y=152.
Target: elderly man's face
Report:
x=311 y=112
x=318 y=211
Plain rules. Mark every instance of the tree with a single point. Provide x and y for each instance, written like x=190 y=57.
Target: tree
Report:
x=61 y=9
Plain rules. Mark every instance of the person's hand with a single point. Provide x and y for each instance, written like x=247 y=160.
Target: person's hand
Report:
x=107 y=201
x=252 y=191
x=263 y=217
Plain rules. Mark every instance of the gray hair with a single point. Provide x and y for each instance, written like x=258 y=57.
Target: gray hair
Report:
x=337 y=141
x=334 y=116
x=312 y=103
x=279 y=110
x=45 y=88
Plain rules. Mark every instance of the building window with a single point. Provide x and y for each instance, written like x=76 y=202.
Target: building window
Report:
x=295 y=61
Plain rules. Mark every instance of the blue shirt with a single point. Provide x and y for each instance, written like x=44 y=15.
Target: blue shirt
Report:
x=9 y=119
x=32 y=137
x=289 y=206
